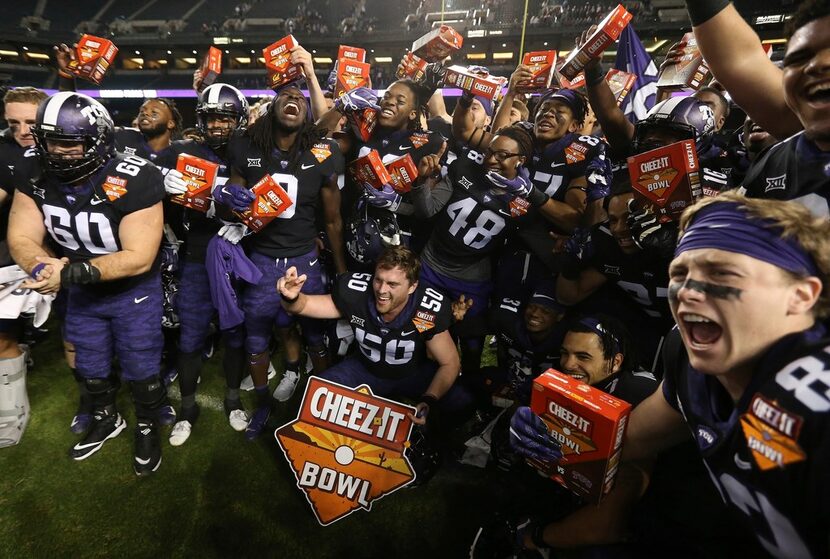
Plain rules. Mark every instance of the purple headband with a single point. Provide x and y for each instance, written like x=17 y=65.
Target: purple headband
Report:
x=728 y=227
x=597 y=328
x=567 y=96
x=486 y=103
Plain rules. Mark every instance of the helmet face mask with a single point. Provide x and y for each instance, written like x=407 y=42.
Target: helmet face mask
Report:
x=66 y=120
x=220 y=100
x=678 y=117
x=370 y=232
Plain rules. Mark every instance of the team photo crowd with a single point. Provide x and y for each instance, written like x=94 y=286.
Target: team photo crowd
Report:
x=518 y=242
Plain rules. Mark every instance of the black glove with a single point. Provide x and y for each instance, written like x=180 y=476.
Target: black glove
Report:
x=80 y=273
x=578 y=251
x=651 y=232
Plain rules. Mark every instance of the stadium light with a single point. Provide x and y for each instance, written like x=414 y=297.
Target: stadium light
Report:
x=502 y=55
x=9 y=53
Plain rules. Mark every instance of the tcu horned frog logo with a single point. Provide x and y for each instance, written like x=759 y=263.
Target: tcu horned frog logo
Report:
x=347 y=448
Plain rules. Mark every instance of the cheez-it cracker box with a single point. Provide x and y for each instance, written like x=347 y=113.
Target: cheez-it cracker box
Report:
x=278 y=62
x=620 y=83
x=412 y=67
x=369 y=169
x=667 y=179
x=93 y=57
x=355 y=54
x=363 y=123
x=689 y=72
x=403 y=173
x=543 y=66
x=351 y=74
x=200 y=175
x=438 y=44
x=477 y=84
x=270 y=200
x=607 y=32
x=211 y=67
x=589 y=424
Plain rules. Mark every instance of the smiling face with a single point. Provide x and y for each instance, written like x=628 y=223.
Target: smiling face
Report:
x=392 y=290
x=807 y=79
x=554 y=119
x=730 y=308
x=155 y=118
x=397 y=108
x=290 y=109
x=220 y=127
x=502 y=156
x=581 y=357
x=755 y=138
x=618 y=222
x=539 y=319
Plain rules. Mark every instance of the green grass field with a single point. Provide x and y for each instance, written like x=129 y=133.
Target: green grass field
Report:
x=216 y=496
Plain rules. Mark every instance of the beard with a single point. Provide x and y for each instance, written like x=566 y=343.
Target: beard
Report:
x=154 y=131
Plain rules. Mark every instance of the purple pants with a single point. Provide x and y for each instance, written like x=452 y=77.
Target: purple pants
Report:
x=261 y=302
x=351 y=372
x=126 y=324
x=478 y=291
x=196 y=310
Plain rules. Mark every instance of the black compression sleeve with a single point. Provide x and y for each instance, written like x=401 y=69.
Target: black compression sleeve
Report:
x=701 y=11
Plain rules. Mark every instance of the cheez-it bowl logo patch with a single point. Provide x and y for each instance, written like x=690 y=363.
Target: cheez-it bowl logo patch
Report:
x=321 y=152
x=423 y=321
x=114 y=187
x=418 y=140
x=771 y=434
x=575 y=153
x=347 y=448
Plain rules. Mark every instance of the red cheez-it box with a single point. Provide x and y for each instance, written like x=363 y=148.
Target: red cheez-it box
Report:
x=270 y=200
x=620 y=83
x=403 y=173
x=689 y=72
x=355 y=54
x=589 y=424
x=607 y=32
x=482 y=86
x=667 y=179
x=542 y=64
x=211 y=67
x=437 y=44
x=278 y=62
x=369 y=169
x=200 y=175
x=351 y=75
x=411 y=67
x=93 y=57
x=363 y=123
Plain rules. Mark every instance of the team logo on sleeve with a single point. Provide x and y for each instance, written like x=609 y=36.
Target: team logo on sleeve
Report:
x=776 y=183
x=129 y=150
x=419 y=139
x=347 y=448
x=518 y=207
x=321 y=152
x=423 y=321
x=114 y=187
x=575 y=153
x=771 y=433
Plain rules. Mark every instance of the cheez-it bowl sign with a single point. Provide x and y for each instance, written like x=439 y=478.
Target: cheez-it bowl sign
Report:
x=346 y=448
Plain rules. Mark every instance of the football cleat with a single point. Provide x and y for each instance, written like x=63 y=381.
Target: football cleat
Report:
x=238 y=420
x=166 y=415
x=257 y=422
x=106 y=425
x=248 y=383
x=180 y=433
x=285 y=389
x=147 y=458
x=80 y=423
x=170 y=376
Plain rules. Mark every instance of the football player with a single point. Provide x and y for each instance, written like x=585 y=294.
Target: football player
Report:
x=797 y=168
x=104 y=210
x=220 y=110
x=567 y=167
x=398 y=132
x=400 y=326
x=297 y=155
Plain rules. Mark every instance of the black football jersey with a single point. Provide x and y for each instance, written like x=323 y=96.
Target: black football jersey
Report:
x=794 y=169
x=293 y=232
x=630 y=386
x=523 y=358
x=396 y=349
x=12 y=155
x=198 y=228
x=768 y=453
x=644 y=278
x=130 y=141
x=472 y=224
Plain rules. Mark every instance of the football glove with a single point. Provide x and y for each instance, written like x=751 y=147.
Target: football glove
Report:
x=520 y=186
x=174 y=182
x=233 y=232
x=385 y=198
x=233 y=196
x=529 y=436
x=356 y=100
x=80 y=273
x=599 y=176
x=578 y=249
x=650 y=232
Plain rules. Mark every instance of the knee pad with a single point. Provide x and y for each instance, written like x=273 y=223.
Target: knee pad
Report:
x=148 y=395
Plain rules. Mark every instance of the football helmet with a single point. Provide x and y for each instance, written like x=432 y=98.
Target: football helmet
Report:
x=423 y=454
x=223 y=100
x=73 y=118
x=686 y=115
x=370 y=231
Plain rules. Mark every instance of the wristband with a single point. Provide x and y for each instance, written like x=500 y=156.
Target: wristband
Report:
x=537 y=198
x=465 y=101
x=289 y=300
x=701 y=11
x=37 y=269
x=594 y=74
